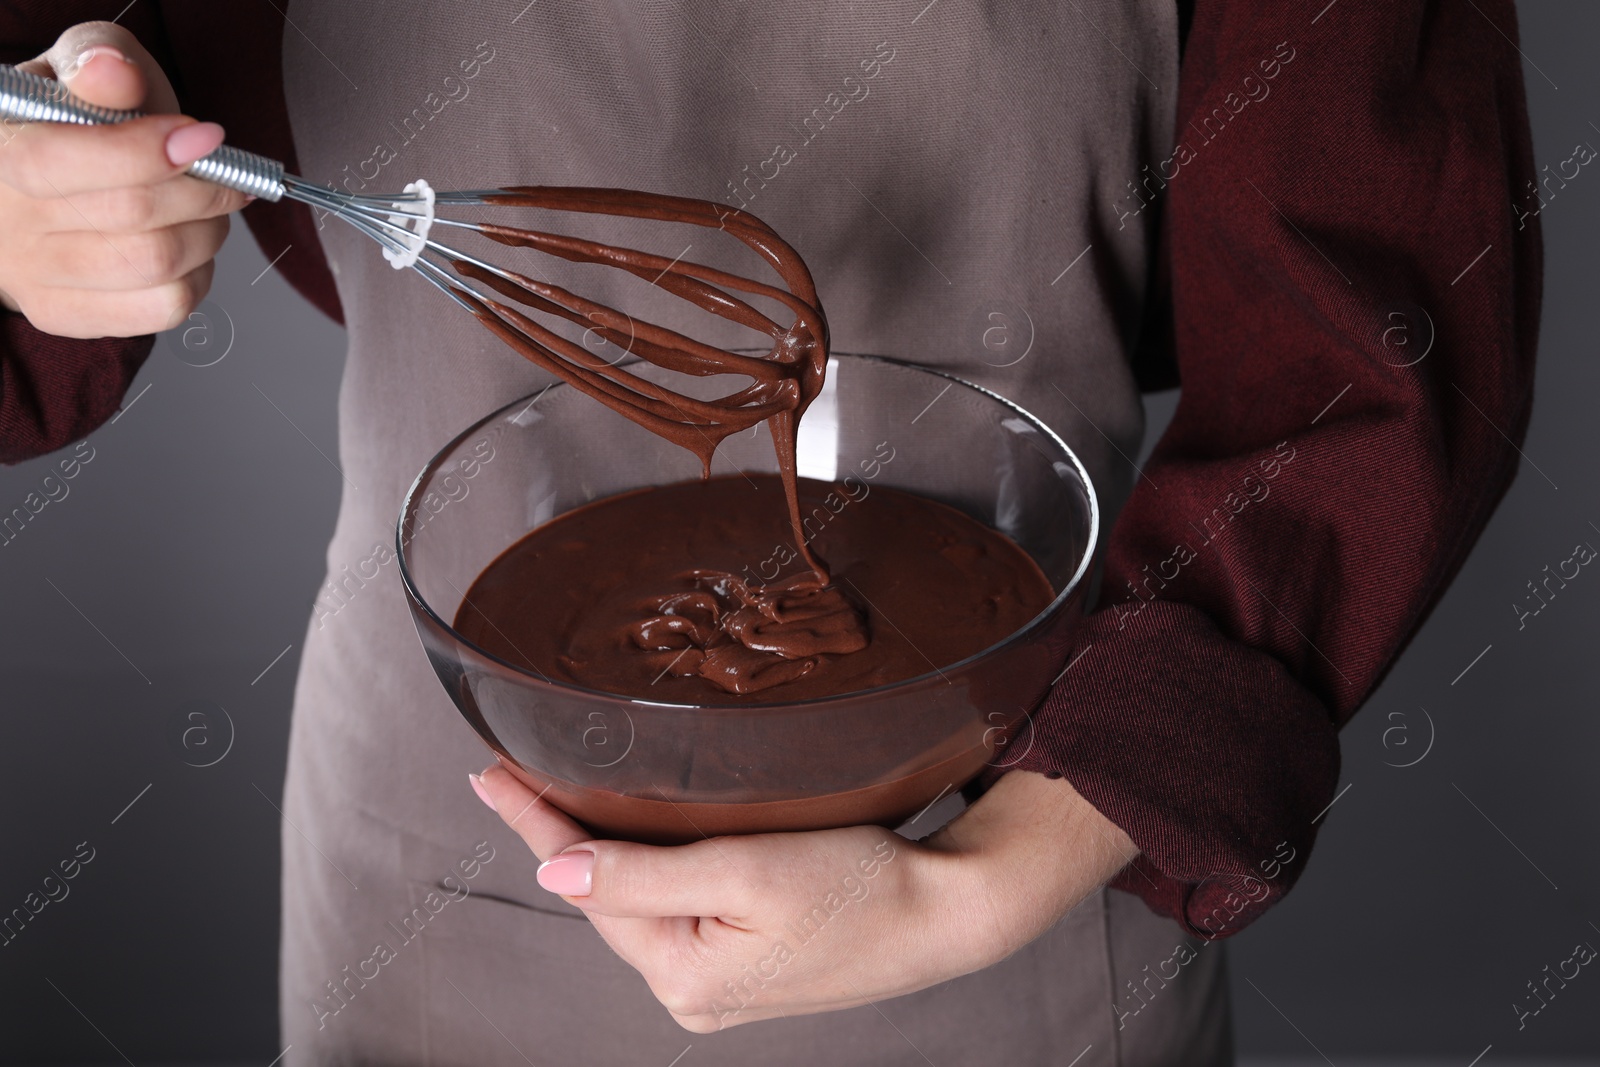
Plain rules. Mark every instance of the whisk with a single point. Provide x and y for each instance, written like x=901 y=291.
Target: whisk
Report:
x=782 y=383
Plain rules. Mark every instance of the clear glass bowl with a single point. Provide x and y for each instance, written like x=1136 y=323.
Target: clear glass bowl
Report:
x=669 y=773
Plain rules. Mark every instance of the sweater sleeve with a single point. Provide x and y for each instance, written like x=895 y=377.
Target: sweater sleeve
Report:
x=1354 y=295
x=54 y=390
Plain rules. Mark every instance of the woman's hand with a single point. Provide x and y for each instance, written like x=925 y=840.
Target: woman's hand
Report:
x=738 y=929
x=101 y=233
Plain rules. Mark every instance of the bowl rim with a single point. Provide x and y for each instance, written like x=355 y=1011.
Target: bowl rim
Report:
x=1031 y=626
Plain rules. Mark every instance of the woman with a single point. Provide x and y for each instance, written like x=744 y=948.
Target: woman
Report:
x=938 y=165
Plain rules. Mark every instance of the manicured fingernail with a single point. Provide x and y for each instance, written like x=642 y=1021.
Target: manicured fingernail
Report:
x=570 y=874
x=91 y=53
x=483 y=794
x=194 y=141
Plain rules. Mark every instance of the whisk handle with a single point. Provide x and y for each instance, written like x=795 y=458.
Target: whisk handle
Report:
x=27 y=97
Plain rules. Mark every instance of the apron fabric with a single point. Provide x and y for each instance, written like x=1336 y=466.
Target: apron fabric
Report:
x=950 y=172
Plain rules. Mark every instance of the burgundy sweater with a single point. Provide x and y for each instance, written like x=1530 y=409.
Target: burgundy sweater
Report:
x=1313 y=495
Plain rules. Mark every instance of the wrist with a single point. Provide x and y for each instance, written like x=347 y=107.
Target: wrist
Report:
x=1029 y=851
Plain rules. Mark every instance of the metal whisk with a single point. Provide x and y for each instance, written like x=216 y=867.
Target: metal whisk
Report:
x=782 y=383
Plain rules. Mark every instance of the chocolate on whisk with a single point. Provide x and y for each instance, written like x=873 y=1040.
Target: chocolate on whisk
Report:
x=781 y=385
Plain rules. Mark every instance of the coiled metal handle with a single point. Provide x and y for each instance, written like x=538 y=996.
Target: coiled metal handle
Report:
x=29 y=98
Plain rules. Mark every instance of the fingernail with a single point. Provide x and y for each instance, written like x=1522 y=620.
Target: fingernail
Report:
x=91 y=53
x=194 y=141
x=483 y=794
x=570 y=874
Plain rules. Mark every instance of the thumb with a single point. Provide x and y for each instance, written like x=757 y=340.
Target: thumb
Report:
x=620 y=878
x=104 y=64
x=542 y=826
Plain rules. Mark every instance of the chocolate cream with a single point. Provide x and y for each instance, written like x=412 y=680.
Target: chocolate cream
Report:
x=667 y=607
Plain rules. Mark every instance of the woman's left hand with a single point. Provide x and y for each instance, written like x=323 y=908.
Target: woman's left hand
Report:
x=732 y=930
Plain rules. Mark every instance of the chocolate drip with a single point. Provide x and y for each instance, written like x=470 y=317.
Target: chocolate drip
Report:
x=744 y=638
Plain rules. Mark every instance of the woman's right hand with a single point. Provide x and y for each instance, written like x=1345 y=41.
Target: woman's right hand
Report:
x=101 y=232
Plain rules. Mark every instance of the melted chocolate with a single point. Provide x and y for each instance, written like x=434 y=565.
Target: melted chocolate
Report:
x=692 y=593
x=669 y=608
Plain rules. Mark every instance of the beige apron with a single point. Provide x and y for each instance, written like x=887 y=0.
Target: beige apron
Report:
x=949 y=171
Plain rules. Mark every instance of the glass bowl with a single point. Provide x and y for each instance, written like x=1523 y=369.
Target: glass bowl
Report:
x=668 y=773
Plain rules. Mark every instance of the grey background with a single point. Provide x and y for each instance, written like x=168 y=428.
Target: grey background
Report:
x=185 y=557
